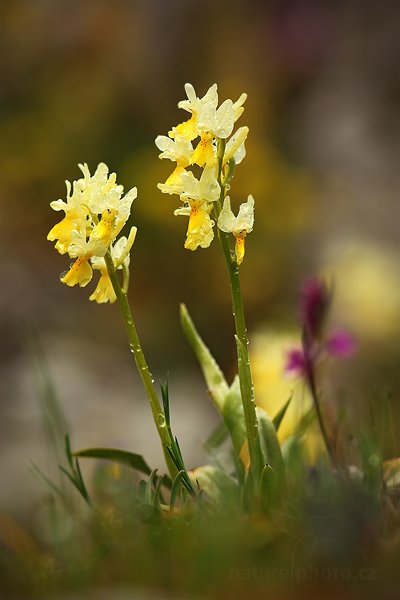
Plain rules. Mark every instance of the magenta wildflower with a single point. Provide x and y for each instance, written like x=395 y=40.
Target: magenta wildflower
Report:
x=341 y=343
x=313 y=306
x=314 y=303
x=315 y=299
x=295 y=362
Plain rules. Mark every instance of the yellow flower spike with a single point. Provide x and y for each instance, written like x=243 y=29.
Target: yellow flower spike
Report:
x=206 y=117
x=240 y=226
x=80 y=273
x=92 y=195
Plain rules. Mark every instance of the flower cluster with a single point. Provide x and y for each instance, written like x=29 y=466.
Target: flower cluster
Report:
x=95 y=212
x=197 y=141
x=315 y=298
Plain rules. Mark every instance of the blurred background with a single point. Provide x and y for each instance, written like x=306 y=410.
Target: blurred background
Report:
x=98 y=81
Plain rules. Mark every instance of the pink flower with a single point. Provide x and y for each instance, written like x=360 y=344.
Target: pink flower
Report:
x=296 y=363
x=313 y=306
x=341 y=343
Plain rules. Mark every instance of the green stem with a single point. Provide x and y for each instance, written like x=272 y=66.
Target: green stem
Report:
x=141 y=364
x=245 y=375
x=314 y=394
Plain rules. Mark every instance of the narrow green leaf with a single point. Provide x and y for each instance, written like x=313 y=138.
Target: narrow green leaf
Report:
x=123 y=457
x=71 y=478
x=82 y=485
x=270 y=444
x=158 y=498
x=268 y=487
x=278 y=418
x=176 y=487
x=141 y=490
x=148 y=497
x=176 y=456
x=217 y=385
x=234 y=416
x=165 y=399
x=68 y=452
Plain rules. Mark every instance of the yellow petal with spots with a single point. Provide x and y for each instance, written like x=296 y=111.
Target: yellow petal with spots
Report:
x=103 y=234
x=80 y=273
x=204 y=152
x=199 y=231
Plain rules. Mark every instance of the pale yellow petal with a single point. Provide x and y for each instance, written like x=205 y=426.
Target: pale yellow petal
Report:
x=80 y=273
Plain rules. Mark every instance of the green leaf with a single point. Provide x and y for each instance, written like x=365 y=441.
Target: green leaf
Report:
x=268 y=487
x=234 y=416
x=71 y=478
x=270 y=445
x=176 y=457
x=165 y=399
x=148 y=497
x=176 y=487
x=82 y=485
x=217 y=385
x=278 y=418
x=68 y=452
x=141 y=490
x=157 y=497
x=123 y=457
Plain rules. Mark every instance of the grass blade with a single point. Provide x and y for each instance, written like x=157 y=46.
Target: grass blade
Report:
x=123 y=457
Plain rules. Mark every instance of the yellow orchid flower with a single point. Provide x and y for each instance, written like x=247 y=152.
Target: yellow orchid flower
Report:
x=240 y=226
x=194 y=105
x=104 y=291
x=206 y=188
x=74 y=214
x=200 y=227
x=80 y=273
x=208 y=122
x=180 y=150
x=95 y=213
